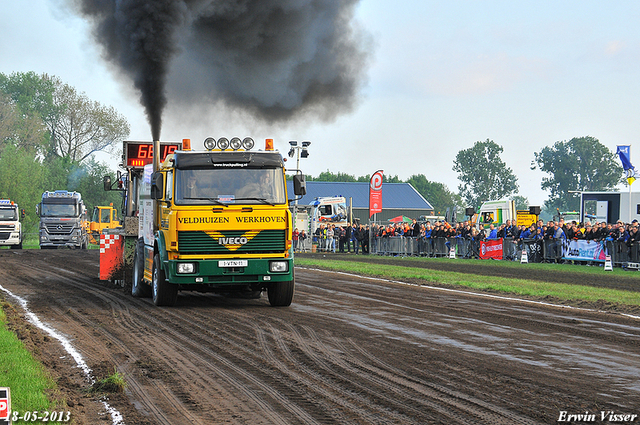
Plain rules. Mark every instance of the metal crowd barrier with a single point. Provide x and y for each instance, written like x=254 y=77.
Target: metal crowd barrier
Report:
x=538 y=251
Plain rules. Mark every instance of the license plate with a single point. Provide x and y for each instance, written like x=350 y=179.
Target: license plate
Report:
x=233 y=263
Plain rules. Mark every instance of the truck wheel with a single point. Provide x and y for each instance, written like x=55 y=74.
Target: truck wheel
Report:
x=138 y=287
x=281 y=293
x=164 y=293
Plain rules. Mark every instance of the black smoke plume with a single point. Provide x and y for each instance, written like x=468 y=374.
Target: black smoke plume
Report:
x=276 y=59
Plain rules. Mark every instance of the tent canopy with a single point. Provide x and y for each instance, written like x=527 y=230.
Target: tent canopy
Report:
x=401 y=219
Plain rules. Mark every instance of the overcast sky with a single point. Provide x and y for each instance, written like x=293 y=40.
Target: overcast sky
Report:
x=443 y=75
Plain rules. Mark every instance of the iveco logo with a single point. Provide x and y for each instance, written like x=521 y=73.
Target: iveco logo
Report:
x=232 y=241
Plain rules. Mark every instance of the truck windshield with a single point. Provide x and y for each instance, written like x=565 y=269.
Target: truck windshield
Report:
x=335 y=211
x=230 y=186
x=8 y=214
x=58 y=210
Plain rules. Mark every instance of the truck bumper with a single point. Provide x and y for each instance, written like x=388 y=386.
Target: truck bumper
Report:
x=211 y=273
x=60 y=242
x=12 y=239
x=60 y=245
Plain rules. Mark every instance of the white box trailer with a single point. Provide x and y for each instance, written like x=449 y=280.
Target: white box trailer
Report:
x=610 y=206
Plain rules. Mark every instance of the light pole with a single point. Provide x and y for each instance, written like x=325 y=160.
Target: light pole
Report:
x=299 y=151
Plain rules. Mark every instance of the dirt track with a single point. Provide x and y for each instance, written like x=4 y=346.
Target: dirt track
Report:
x=348 y=350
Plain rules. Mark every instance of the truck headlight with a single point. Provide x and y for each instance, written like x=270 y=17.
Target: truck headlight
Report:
x=186 y=268
x=279 y=266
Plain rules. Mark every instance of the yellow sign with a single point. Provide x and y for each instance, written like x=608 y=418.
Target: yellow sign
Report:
x=232 y=220
x=526 y=219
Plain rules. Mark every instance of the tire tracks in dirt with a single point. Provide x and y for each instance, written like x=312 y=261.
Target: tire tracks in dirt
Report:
x=348 y=350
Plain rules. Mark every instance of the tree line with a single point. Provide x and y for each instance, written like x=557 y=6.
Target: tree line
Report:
x=49 y=134
x=580 y=164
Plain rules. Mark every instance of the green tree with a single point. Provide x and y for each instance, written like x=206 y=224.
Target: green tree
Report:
x=21 y=180
x=522 y=203
x=87 y=179
x=31 y=93
x=385 y=179
x=77 y=126
x=33 y=109
x=581 y=164
x=483 y=174
x=84 y=127
x=437 y=194
x=328 y=176
x=18 y=128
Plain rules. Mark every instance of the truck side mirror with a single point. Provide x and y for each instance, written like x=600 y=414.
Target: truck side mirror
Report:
x=38 y=210
x=299 y=185
x=106 y=182
x=22 y=213
x=157 y=186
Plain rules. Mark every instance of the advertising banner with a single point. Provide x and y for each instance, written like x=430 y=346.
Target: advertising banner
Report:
x=583 y=250
x=491 y=249
x=5 y=404
x=375 y=193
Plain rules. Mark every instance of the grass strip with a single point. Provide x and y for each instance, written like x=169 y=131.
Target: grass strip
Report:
x=19 y=371
x=522 y=287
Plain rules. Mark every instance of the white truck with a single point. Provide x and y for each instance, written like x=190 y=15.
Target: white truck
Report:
x=10 y=226
x=610 y=206
x=327 y=210
x=498 y=212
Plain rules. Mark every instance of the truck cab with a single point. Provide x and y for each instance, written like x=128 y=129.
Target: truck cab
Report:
x=328 y=210
x=103 y=217
x=10 y=226
x=497 y=212
x=63 y=219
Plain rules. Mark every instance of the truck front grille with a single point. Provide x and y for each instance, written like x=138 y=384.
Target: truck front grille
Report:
x=198 y=242
x=4 y=236
x=59 y=229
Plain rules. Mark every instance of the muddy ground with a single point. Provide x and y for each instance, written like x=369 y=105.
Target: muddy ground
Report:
x=630 y=281
x=348 y=350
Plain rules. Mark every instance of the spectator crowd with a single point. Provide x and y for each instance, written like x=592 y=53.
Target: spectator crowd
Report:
x=437 y=238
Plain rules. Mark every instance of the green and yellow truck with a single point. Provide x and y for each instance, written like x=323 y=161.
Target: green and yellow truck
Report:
x=213 y=221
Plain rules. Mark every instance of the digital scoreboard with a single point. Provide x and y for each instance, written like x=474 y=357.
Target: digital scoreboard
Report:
x=139 y=154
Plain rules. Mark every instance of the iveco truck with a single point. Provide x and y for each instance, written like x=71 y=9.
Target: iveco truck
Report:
x=212 y=221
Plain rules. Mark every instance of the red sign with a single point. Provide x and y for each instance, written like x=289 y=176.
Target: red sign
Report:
x=491 y=249
x=375 y=193
x=5 y=404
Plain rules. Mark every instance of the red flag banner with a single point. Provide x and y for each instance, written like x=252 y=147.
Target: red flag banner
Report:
x=375 y=193
x=491 y=248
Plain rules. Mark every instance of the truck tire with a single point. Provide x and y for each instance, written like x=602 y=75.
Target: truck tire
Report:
x=164 y=293
x=281 y=293
x=138 y=287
